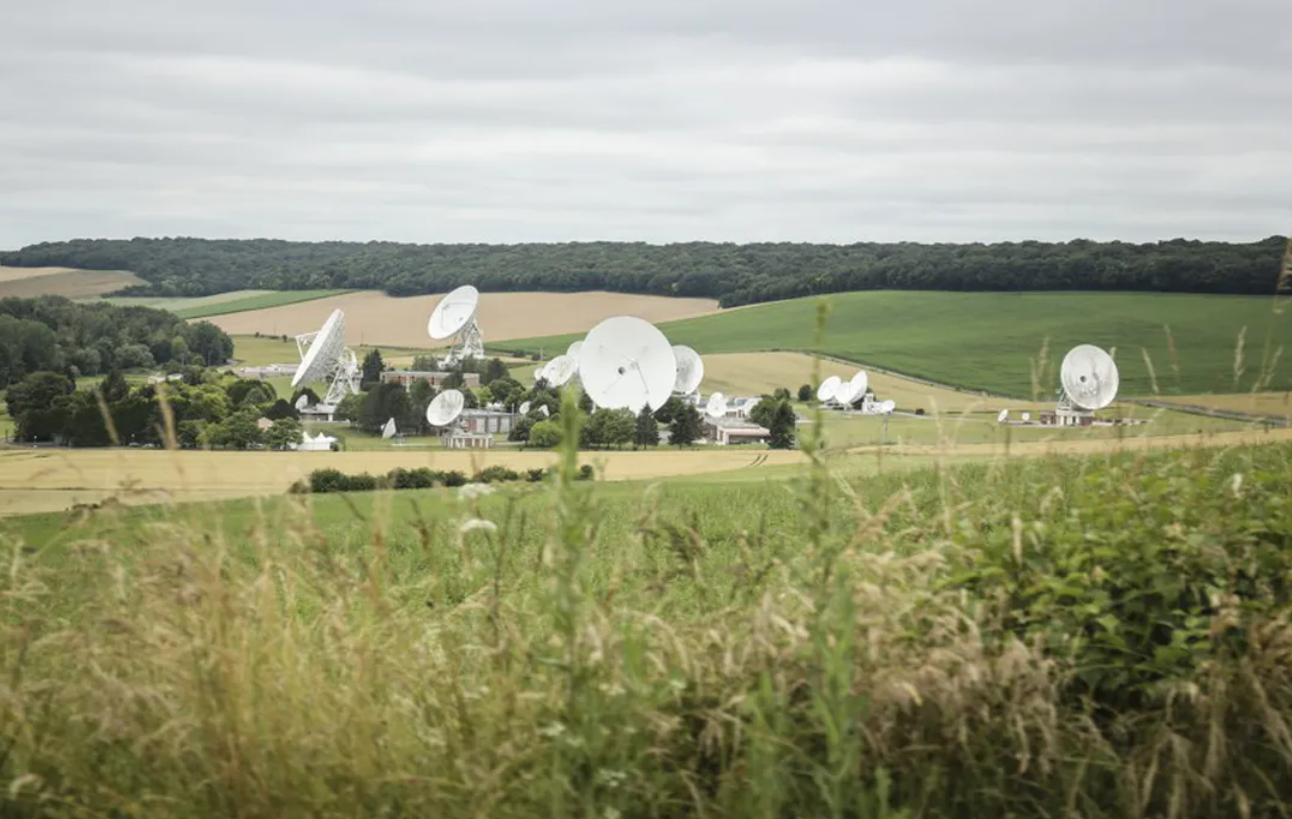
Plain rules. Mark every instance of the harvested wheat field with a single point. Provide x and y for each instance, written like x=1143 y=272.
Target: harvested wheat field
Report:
x=28 y=282
x=375 y=318
x=49 y=480
x=760 y=373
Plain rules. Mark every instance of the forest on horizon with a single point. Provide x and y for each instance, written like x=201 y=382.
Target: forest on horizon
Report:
x=734 y=274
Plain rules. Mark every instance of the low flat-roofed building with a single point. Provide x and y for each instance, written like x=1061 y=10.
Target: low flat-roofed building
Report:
x=734 y=431
x=407 y=378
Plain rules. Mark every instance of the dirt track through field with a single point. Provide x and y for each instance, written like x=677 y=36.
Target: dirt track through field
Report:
x=375 y=318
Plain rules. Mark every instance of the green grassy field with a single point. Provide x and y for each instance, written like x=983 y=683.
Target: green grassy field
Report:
x=221 y=303
x=880 y=645
x=988 y=341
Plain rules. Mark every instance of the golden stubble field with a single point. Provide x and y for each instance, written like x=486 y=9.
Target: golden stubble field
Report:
x=372 y=317
x=43 y=480
x=28 y=282
x=1278 y=404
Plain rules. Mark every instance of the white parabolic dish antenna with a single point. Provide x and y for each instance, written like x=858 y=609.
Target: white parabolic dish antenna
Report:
x=388 y=431
x=860 y=383
x=455 y=317
x=846 y=393
x=559 y=370
x=524 y=408
x=324 y=355
x=1003 y=417
x=302 y=402
x=1089 y=376
x=828 y=387
x=1027 y=417
x=690 y=369
x=626 y=363
x=445 y=408
x=573 y=350
x=887 y=407
x=717 y=406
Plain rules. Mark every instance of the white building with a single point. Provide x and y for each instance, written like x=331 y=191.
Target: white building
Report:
x=731 y=431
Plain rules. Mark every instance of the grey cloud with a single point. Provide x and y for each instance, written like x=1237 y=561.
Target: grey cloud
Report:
x=506 y=120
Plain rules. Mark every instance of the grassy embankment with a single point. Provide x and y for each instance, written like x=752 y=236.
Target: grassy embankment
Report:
x=1103 y=637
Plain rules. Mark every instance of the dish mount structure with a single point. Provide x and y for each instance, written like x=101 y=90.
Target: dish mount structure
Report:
x=456 y=317
x=325 y=357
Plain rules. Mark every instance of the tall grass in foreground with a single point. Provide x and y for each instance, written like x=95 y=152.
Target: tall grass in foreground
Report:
x=1097 y=638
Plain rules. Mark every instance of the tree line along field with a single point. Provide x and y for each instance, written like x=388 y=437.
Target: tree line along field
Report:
x=734 y=274
x=895 y=643
x=992 y=341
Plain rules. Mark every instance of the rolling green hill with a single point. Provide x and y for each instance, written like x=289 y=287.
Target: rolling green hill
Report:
x=987 y=341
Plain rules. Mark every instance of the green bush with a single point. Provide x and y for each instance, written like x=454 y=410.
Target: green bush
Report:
x=497 y=474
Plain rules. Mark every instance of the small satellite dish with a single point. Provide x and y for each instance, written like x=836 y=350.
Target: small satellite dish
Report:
x=717 y=406
x=302 y=402
x=388 y=431
x=559 y=370
x=1027 y=418
x=828 y=387
x=1089 y=376
x=445 y=408
x=524 y=408
x=546 y=412
x=887 y=407
x=690 y=369
x=625 y=363
x=573 y=350
x=1003 y=417
x=455 y=317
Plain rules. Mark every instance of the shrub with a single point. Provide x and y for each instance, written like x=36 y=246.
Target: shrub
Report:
x=455 y=478
x=535 y=475
x=327 y=480
x=497 y=474
x=585 y=473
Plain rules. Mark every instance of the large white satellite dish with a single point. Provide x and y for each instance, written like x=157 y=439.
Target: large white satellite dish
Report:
x=325 y=356
x=1003 y=416
x=388 y=431
x=625 y=363
x=846 y=393
x=573 y=350
x=302 y=402
x=887 y=407
x=559 y=370
x=456 y=317
x=445 y=408
x=690 y=369
x=524 y=408
x=717 y=406
x=860 y=383
x=826 y=391
x=1089 y=376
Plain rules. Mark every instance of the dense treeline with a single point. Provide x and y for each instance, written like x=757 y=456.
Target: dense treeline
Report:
x=734 y=274
x=52 y=333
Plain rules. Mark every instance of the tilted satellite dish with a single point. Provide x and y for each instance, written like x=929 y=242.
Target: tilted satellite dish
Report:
x=1027 y=418
x=1003 y=417
x=573 y=350
x=887 y=407
x=690 y=370
x=846 y=393
x=625 y=363
x=717 y=406
x=524 y=408
x=324 y=355
x=828 y=387
x=860 y=383
x=445 y=408
x=455 y=317
x=1089 y=376
x=547 y=413
x=302 y=402
x=388 y=431
x=559 y=370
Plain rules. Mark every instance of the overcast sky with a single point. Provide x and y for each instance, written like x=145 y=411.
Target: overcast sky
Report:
x=668 y=120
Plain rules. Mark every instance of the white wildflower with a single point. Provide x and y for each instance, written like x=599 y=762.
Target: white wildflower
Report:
x=471 y=491
x=1236 y=483
x=473 y=524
